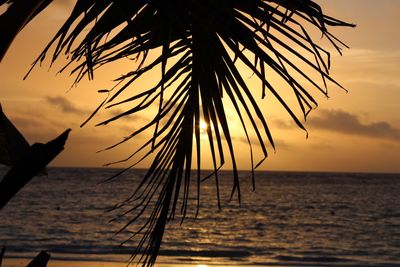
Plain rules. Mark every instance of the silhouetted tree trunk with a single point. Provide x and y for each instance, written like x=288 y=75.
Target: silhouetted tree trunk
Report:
x=30 y=165
x=40 y=260
x=2 y=255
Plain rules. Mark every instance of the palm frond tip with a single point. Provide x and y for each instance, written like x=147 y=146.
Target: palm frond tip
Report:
x=199 y=38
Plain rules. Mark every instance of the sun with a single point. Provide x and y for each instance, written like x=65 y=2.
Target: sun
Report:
x=203 y=126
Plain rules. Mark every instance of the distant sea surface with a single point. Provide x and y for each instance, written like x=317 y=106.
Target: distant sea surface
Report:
x=292 y=219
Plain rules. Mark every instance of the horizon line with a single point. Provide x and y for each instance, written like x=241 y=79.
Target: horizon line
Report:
x=240 y=170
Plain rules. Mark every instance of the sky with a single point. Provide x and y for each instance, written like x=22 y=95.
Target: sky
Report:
x=358 y=131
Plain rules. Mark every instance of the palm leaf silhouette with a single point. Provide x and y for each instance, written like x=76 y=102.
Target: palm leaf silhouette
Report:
x=201 y=43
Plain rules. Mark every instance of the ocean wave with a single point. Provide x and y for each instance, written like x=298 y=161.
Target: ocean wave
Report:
x=310 y=258
x=207 y=253
x=328 y=219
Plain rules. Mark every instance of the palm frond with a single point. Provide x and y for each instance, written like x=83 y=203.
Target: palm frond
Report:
x=201 y=43
x=13 y=20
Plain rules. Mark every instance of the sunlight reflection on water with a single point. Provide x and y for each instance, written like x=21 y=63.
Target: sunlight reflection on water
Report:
x=292 y=219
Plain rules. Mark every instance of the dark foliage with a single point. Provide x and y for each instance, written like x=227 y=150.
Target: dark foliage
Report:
x=201 y=43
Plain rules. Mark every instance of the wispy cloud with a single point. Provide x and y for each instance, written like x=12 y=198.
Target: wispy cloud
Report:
x=344 y=122
x=131 y=117
x=380 y=65
x=322 y=146
x=340 y=121
x=66 y=3
x=279 y=143
x=281 y=124
x=32 y=126
x=64 y=104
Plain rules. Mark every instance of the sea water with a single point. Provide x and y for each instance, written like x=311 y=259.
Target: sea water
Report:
x=292 y=219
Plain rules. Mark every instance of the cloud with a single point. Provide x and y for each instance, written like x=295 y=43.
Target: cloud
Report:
x=281 y=124
x=87 y=138
x=64 y=104
x=32 y=127
x=344 y=122
x=134 y=117
x=65 y=3
x=390 y=146
x=279 y=143
x=380 y=65
x=322 y=146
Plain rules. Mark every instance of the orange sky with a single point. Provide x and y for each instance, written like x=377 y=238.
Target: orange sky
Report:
x=358 y=131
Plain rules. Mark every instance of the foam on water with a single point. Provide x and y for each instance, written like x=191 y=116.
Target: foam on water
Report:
x=293 y=219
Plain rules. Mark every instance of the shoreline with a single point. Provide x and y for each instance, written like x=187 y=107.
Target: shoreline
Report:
x=120 y=260
x=22 y=262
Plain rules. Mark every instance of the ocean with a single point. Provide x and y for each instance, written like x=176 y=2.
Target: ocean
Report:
x=292 y=219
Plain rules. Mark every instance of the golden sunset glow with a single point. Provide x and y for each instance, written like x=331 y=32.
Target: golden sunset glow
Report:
x=203 y=126
x=342 y=130
x=199 y=133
